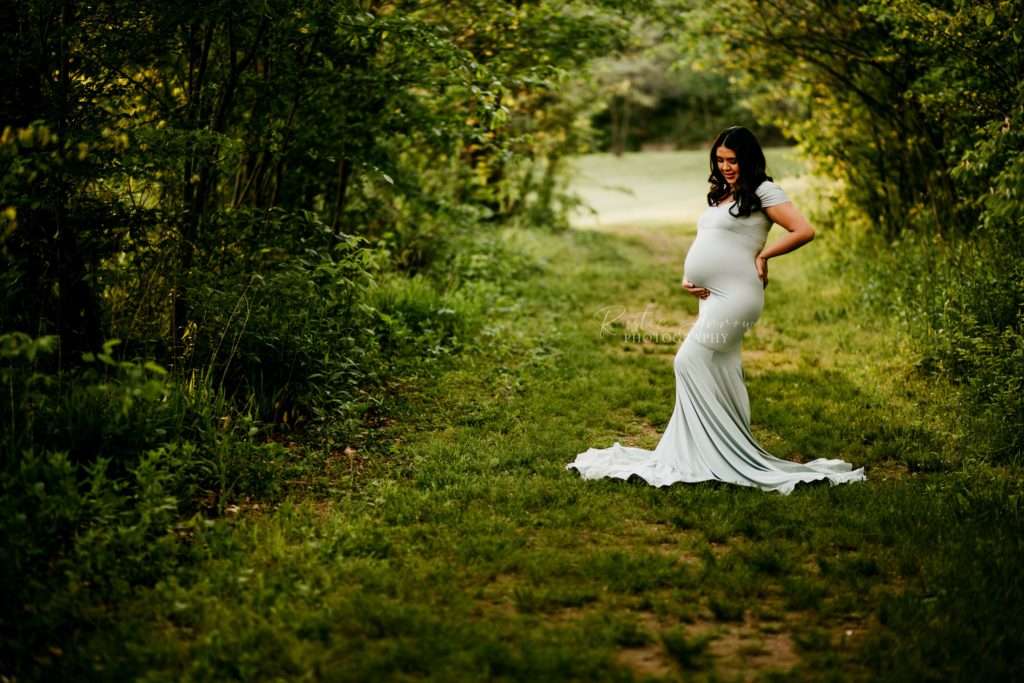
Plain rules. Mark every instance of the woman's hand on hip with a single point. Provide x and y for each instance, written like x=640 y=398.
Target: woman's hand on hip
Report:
x=699 y=292
x=761 y=263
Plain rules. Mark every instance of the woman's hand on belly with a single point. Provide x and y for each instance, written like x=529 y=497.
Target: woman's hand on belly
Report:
x=699 y=292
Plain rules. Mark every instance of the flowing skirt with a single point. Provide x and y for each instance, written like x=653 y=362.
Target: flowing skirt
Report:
x=708 y=437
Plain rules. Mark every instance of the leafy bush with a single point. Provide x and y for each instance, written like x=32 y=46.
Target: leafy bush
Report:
x=961 y=302
x=102 y=467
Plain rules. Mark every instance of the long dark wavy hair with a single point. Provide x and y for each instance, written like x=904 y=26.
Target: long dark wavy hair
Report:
x=752 y=170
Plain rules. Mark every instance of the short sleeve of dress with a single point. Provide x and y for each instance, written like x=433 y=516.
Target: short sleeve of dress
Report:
x=771 y=194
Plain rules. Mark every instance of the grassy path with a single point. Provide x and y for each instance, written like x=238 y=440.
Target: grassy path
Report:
x=468 y=552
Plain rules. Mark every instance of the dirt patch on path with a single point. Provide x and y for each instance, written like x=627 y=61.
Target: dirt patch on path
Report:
x=743 y=651
x=736 y=651
x=649 y=660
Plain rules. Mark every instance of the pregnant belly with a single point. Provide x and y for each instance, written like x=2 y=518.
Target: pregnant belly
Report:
x=701 y=264
x=724 y=265
x=719 y=258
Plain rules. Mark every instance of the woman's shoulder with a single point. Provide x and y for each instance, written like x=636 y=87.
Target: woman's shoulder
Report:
x=770 y=193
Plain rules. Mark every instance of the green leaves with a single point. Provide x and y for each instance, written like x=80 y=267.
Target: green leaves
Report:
x=240 y=194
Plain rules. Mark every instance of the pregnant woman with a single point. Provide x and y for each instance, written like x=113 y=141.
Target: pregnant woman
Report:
x=708 y=437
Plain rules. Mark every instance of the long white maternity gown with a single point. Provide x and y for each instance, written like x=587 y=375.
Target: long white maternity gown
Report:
x=708 y=437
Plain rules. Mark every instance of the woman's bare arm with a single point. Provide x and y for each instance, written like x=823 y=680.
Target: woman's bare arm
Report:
x=800 y=233
x=790 y=218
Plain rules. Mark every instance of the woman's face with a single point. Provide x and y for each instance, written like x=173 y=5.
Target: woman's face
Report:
x=728 y=166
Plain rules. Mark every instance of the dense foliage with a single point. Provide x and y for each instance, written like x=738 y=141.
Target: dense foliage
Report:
x=227 y=229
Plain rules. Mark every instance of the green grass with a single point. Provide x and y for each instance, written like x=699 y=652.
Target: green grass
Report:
x=467 y=552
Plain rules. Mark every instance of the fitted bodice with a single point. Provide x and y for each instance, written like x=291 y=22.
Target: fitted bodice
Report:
x=754 y=227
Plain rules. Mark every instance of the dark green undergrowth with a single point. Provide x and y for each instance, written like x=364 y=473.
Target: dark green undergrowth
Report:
x=960 y=303
x=110 y=468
